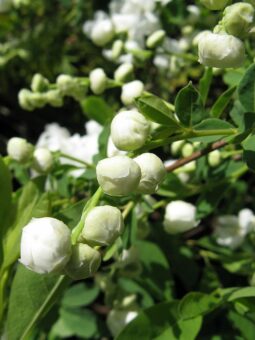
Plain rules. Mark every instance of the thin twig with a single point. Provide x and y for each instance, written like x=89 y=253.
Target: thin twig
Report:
x=180 y=162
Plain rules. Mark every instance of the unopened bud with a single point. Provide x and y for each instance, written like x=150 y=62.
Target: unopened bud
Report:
x=54 y=98
x=129 y=130
x=118 y=176
x=117 y=48
x=153 y=172
x=98 y=80
x=238 y=19
x=45 y=245
x=102 y=32
x=215 y=5
x=176 y=147
x=155 y=39
x=221 y=51
x=179 y=217
x=70 y=86
x=124 y=72
x=187 y=150
x=39 y=83
x=19 y=149
x=131 y=91
x=102 y=226
x=84 y=262
x=24 y=98
x=214 y=158
x=43 y=160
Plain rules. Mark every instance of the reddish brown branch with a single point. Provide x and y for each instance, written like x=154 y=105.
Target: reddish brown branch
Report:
x=180 y=162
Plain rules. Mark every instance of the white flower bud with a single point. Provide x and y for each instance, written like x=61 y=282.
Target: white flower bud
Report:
x=43 y=160
x=131 y=91
x=118 y=176
x=246 y=221
x=153 y=172
x=129 y=130
x=112 y=150
x=187 y=150
x=179 y=217
x=84 y=262
x=199 y=36
x=214 y=158
x=155 y=39
x=102 y=226
x=54 y=98
x=45 y=245
x=215 y=5
x=123 y=72
x=238 y=19
x=19 y=149
x=102 y=32
x=221 y=51
x=24 y=99
x=70 y=86
x=98 y=80
x=227 y=231
x=176 y=147
x=117 y=48
x=39 y=83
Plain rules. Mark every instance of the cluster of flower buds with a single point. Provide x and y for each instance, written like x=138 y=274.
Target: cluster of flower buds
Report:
x=46 y=245
x=215 y=5
x=224 y=48
x=121 y=175
x=21 y=151
x=42 y=92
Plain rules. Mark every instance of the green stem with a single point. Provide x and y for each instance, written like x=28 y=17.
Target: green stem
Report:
x=127 y=209
x=88 y=206
x=88 y=165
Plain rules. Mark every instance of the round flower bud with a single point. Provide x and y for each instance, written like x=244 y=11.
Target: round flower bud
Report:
x=102 y=32
x=19 y=149
x=215 y=5
x=69 y=86
x=123 y=72
x=24 y=98
x=131 y=91
x=98 y=80
x=45 y=245
x=214 y=158
x=179 y=217
x=155 y=39
x=227 y=231
x=221 y=51
x=118 y=176
x=43 y=160
x=187 y=150
x=102 y=226
x=153 y=172
x=54 y=98
x=238 y=19
x=84 y=262
x=129 y=130
x=117 y=48
x=37 y=99
x=39 y=83
x=176 y=147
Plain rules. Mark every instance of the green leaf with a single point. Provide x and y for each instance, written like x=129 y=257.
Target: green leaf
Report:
x=80 y=294
x=246 y=125
x=205 y=83
x=156 y=276
x=188 y=106
x=222 y=102
x=80 y=322
x=246 y=89
x=249 y=151
x=245 y=325
x=161 y=322
x=6 y=209
x=32 y=295
x=156 y=110
x=96 y=108
x=216 y=127
x=31 y=203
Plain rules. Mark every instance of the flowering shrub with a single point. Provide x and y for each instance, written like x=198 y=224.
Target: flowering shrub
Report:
x=127 y=175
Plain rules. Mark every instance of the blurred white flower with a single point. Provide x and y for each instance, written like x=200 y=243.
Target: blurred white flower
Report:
x=117 y=319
